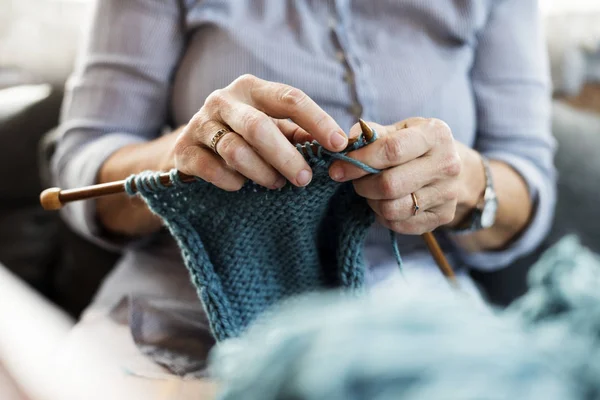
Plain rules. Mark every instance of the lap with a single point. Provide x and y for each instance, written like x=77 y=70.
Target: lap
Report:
x=99 y=360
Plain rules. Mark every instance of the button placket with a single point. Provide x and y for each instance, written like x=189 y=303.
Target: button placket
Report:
x=340 y=37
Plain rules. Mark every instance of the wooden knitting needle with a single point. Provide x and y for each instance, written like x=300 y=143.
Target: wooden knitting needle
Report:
x=56 y=198
x=430 y=240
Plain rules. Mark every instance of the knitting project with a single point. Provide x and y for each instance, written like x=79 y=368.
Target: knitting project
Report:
x=426 y=344
x=250 y=249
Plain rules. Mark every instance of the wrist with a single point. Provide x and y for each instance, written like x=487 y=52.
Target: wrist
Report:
x=155 y=155
x=472 y=183
x=130 y=216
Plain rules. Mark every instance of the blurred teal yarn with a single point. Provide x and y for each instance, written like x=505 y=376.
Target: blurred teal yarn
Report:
x=416 y=344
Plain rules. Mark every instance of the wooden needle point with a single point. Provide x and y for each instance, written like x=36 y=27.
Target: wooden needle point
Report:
x=438 y=256
x=366 y=129
x=50 y=199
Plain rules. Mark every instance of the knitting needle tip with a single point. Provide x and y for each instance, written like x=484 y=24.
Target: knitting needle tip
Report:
x=50 y=199
x=366 y=129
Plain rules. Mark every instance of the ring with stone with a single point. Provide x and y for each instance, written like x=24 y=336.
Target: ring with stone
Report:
x=415 y=204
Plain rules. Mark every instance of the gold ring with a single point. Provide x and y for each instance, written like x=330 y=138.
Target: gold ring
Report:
x=217 y=137
x=416 y=204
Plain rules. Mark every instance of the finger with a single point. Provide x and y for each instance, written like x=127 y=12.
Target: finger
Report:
x=198 y=161
x=240 y=156
x=403 y=208
x=410 y=122
x=397 y=182
x=269 y=142
x=284 y=101
x=423 y=222
x=292 y=131
x=392 y=148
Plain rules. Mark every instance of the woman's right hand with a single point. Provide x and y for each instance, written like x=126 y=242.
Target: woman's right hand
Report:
x=266 y=120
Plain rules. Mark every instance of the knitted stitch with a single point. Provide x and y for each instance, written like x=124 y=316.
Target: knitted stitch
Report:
x=250 y=249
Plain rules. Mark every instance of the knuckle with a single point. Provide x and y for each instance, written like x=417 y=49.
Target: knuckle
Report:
x=389 y=210
x=292 y=97
x=435 y=219
x=450 y=194
x=234 y=155
x=393 y=148
x=216 y=99
x=451 y=165
x=254 y=124
x=211 y=173
x=444 y=194
x=246 y=80
x=186 y=156
x=442 y=131
x=180 y=146
x=389 y=186
x=297 y=134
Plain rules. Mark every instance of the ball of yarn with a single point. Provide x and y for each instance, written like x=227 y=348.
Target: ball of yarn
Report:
x=406 y=343
x=563 y=308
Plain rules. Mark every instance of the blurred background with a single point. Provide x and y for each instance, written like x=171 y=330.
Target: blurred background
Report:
x=50 y=274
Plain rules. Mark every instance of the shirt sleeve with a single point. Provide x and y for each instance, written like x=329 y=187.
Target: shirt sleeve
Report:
x=511 y=83
x=117 y=95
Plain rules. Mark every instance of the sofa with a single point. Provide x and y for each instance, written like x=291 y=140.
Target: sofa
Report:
x=37 y=50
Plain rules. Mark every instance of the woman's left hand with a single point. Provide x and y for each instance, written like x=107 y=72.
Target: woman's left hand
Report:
x=417 y=156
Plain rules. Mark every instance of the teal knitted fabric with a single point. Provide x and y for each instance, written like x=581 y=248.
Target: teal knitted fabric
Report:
x=250 y=249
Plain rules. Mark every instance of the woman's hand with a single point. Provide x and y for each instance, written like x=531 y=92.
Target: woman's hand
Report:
x=417 y=156
x=260 y=145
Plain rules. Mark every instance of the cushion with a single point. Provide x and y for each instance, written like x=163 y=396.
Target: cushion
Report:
x=578 y=135
x=27 y=112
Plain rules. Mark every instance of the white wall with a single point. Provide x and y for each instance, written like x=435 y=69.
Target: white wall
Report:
x=550 y=7
x=41 y=36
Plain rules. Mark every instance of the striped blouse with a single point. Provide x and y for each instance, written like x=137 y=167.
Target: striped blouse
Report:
x=479 y=65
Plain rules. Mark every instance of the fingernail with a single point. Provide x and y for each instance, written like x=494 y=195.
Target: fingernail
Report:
x=337 y=173
x=279 y=183
x=303 y=177
x=338 y=140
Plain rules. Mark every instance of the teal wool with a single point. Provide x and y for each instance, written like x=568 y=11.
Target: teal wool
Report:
x=564 y=304
x=251 y=249
x=407 y=343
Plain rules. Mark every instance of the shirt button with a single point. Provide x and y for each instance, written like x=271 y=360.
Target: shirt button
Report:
x=332 y=23
x=341 y=57
x=356 y=110
x=349 y=78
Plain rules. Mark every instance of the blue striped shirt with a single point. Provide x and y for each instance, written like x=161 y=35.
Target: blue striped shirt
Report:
x=479 y=65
